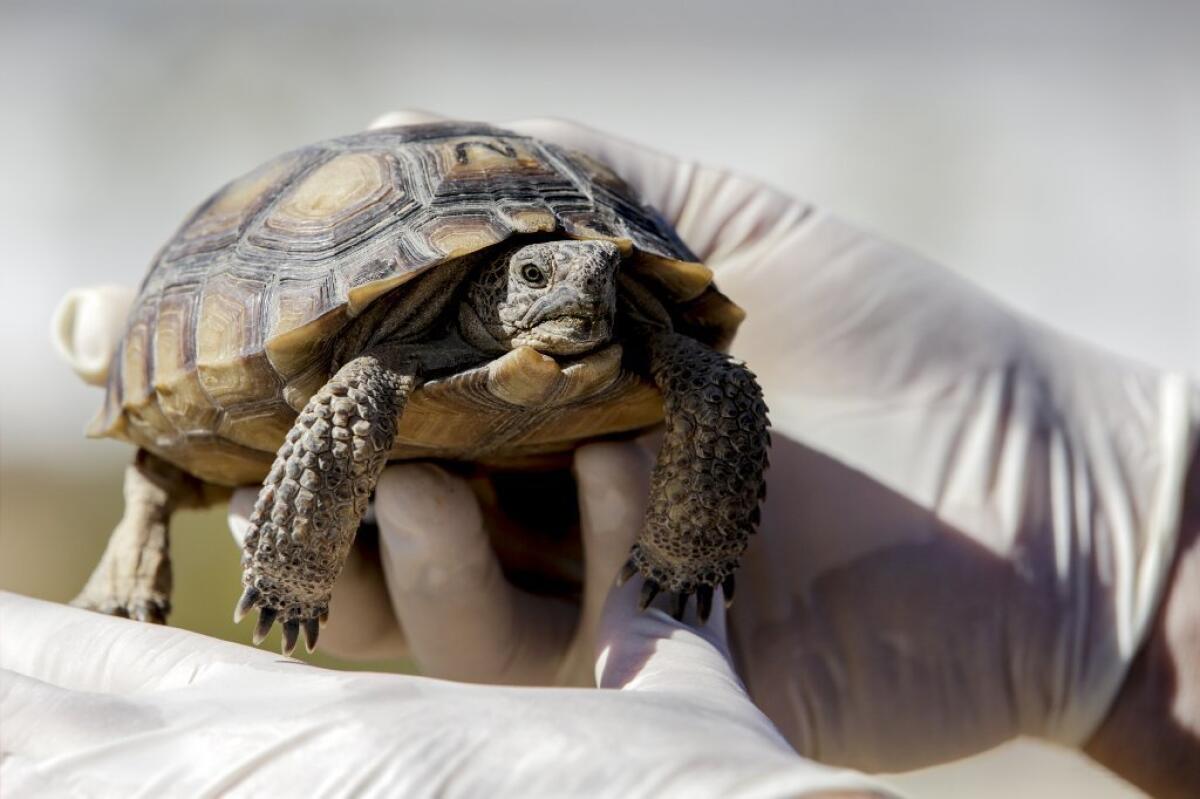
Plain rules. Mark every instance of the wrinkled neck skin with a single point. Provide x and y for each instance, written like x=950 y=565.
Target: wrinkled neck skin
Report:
x=558 y=297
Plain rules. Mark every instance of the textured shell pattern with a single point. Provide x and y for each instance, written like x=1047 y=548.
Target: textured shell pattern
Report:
x=234 y=324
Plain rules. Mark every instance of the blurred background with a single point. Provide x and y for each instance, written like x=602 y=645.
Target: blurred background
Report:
x=1048 y=151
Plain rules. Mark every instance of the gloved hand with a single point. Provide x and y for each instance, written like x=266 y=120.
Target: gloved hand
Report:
x=99 y=706
x=970 y=518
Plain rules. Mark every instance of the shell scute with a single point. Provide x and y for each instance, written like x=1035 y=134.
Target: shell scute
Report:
x=305 y=313
x=181 y=397
x=258 y=426
x=220 y=222
x=230 y=360
x=344 y=200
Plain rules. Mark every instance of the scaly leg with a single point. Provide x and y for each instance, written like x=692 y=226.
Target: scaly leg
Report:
x=133 y=577
x=708 y=481
x=316 y=493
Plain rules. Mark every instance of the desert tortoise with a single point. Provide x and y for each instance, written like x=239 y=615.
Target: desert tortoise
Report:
x=444 y=291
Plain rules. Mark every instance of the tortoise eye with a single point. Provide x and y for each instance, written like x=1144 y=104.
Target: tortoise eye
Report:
x=532 y=274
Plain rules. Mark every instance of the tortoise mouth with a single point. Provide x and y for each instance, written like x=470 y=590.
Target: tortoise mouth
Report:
x=566 y=334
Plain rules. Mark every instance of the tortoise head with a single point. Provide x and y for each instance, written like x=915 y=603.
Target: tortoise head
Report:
x=558 y=297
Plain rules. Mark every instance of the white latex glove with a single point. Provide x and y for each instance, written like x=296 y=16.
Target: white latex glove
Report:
x=970 y=518
x=99 y=706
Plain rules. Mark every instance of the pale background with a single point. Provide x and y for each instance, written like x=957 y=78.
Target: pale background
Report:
x=1049 y=151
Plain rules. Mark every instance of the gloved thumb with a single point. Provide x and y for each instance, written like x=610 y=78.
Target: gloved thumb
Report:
x=86 y=327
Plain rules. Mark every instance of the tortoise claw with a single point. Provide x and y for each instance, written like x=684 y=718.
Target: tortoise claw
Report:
x=266 y=617
x=704 y=598
x=649 y=591
x=312 y=629
x=291 y=634
x=628 y=570
x=150 y=609
x=298 y=620
x=247 y=603
x=679 y=600
x=150 y=612
x=727 y=586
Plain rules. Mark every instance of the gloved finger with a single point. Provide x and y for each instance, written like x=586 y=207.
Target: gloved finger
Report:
x=86 y=651
x=86 y=327
x=689 y=665
x=405 y=116
x=362 y=625
x=649 y=650
x=180 y=712
x=721 y=216
x=612 y=480
x=461 y=617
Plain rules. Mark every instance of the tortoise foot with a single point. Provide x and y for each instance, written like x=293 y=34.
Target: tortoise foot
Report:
x=133 y=578
x=293 y=617
x=685 y=584
x=708 y=481
x=130 y=582
x=313 y=499
x=148 y=606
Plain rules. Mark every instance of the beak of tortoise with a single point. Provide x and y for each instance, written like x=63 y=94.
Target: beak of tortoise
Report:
x=562 y=323
x=563 y=301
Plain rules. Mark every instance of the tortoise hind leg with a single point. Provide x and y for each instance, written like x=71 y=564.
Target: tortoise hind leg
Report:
x=313 y=499
x=708 y=481
x=133 y=577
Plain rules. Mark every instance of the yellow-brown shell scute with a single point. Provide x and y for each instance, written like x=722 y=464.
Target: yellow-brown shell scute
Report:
x=235 y=323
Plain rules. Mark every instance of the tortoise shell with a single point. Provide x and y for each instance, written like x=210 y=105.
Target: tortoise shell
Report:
x=235 y=324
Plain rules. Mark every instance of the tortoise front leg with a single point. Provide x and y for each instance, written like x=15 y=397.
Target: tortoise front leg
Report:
x=133 y=577
x=708 y=481
x=315 y=496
